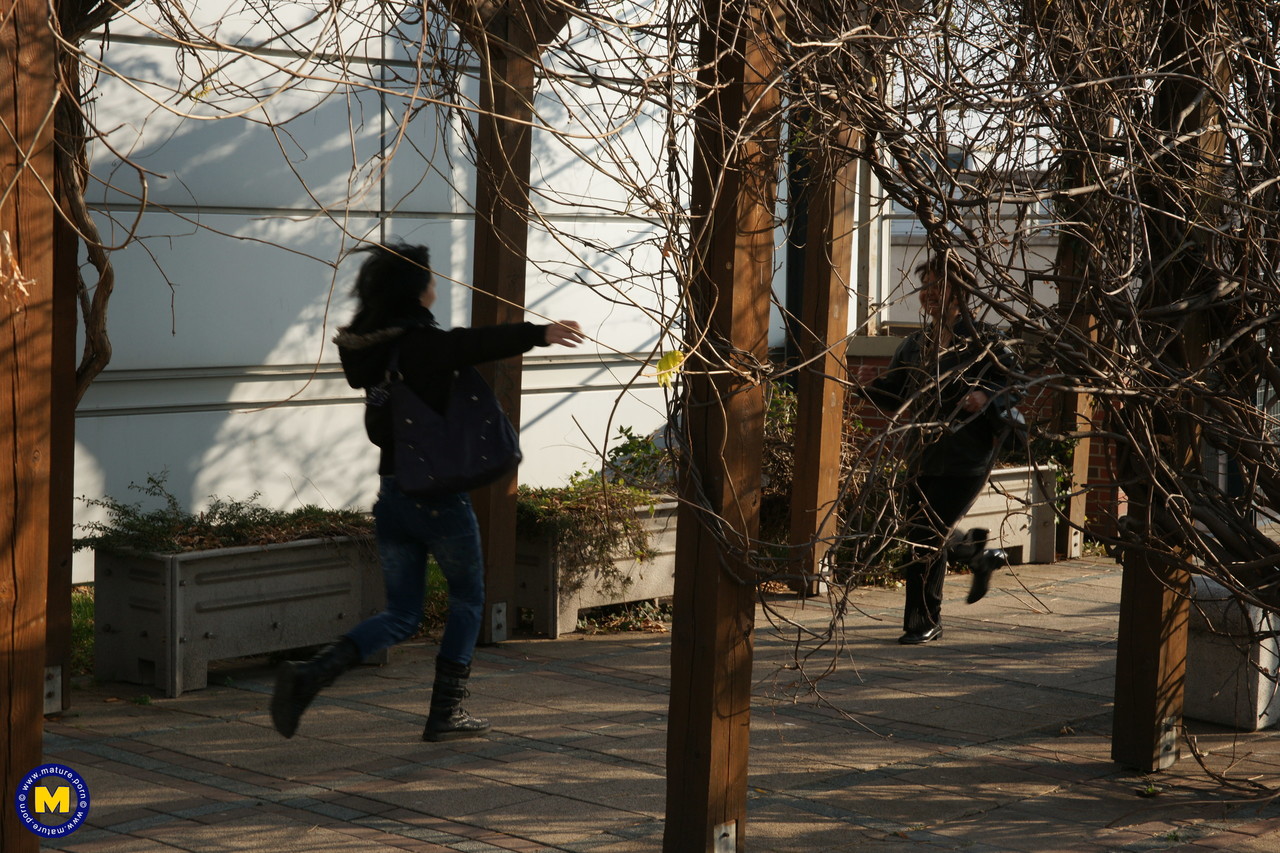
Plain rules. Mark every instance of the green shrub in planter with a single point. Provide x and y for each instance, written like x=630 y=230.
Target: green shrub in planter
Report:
x=175 y=590
x=227 y=523
x=593 y=522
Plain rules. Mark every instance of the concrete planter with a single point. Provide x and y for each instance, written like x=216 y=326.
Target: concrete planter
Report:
x=549 y=607
x=1017 y=507
x=161 y=618
x=1231 y=677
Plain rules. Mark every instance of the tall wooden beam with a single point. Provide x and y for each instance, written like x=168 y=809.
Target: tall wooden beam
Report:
x=1089 y=126
x=62 y=450
x=501 y=240
x=1181 y=209
x=1151 y=660
x=508 y=44
x=1076 y=409
x=734 y=186
x=27 y=91
x=824 y=325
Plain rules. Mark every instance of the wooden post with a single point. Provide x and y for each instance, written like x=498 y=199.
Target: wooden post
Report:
x=508 y=44
x=821 y=333
x=27 y=92
x=1152 y=646
x=1073 y=266
x=1151 y=658
x=501 y=239
x=1076 y=410
x=734 y=186
x=62 y=437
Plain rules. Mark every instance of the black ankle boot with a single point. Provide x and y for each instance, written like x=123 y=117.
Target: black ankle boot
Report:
x=983 y=565
x=297 y=683
x=447 y=720
x=969 y=546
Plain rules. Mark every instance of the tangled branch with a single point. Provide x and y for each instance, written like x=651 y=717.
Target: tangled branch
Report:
x=1109 y=170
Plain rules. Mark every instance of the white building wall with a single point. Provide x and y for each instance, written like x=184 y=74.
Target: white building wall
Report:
x=223 y=373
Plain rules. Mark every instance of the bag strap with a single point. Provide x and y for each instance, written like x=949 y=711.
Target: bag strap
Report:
x=393 y=365
x=377 y=396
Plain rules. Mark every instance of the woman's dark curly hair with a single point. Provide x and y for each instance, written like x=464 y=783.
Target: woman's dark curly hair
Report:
x=389 y=285
x=960 y=281
x=948 y=266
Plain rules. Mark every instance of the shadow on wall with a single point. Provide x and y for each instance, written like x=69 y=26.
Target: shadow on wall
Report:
x=249 y=401
x=222 y=373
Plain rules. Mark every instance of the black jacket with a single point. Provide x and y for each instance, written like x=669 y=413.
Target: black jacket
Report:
x=954 y=442
x=428 y=358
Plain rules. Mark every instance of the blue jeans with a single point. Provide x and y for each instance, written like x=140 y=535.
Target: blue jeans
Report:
x=408 y=530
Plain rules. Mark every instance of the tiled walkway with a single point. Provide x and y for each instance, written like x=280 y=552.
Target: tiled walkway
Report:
x=995 y=738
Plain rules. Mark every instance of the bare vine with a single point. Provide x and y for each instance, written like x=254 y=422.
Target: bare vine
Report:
x=1109 y=170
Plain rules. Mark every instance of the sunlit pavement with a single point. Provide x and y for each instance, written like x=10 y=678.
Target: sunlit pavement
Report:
x=994 y=738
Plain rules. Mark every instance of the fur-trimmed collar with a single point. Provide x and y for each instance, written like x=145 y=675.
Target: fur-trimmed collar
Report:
x=352 y=341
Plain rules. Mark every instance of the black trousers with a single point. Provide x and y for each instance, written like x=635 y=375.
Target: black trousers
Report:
x=933 y=506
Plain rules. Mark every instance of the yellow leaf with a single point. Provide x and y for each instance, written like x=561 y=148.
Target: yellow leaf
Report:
x=669 y=367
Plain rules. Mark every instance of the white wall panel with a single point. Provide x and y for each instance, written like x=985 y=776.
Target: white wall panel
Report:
x=240 y=290
x=430 y=169
x=233 y=433
x=635 y=49
x=314 y=145
x=297 y=28
x=566 y=427
x=601 y=156
x=613 y=283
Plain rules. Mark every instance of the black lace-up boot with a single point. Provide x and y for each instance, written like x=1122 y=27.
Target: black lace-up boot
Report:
x=983 y=566
x=968 y=547
x=447 y=720
x=297 y=682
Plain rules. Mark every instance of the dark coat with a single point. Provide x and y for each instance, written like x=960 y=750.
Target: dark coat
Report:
x=953 y=441
x=428 y=358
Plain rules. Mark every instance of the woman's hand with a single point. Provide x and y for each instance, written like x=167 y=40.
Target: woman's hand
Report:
x=566 y=333
x=867 y=373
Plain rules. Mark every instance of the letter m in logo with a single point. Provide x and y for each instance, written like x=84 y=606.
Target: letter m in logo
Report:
x=57 y=800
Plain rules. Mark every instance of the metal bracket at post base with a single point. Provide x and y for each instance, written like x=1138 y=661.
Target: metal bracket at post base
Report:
x=726 y=837
x=1168 y=753
x=52 y=689
x=498 y=622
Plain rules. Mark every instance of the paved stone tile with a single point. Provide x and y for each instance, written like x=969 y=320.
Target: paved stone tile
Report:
x=980 y=777
x=1233 y=842
x=618 y=787
x=555 y=820
x=116 y=790
x=86 y=841
x=279 y=834
x=994 y=740
x=447 y=793
x=622 y=846
x=885 y=802
x=780 y=826
x=121 y=819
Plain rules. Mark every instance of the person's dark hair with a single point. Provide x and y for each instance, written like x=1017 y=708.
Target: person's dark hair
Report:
x=949 y=267
x=389 y=285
